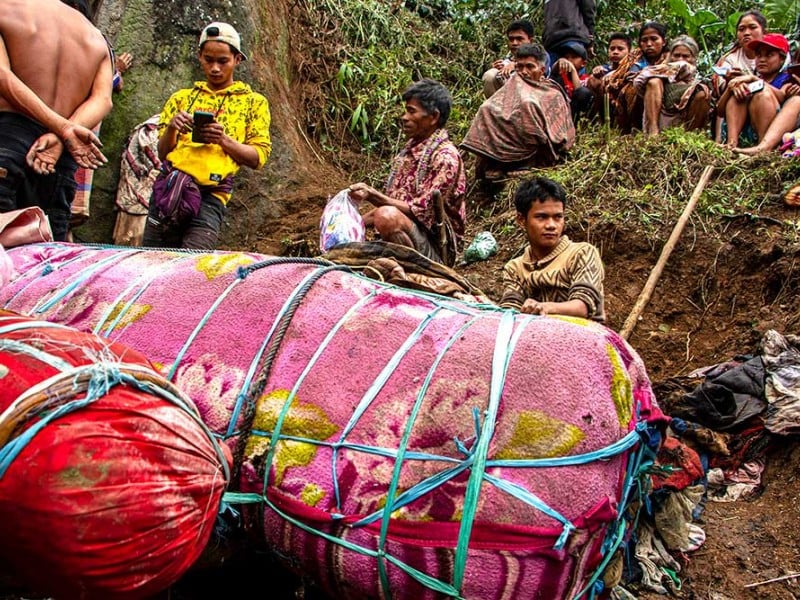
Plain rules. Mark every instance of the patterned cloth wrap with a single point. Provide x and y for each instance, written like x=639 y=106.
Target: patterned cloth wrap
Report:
x=387 y=443
x=110 y=482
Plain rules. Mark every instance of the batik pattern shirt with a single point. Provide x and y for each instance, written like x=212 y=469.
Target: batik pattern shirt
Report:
x=424 y=166
x=572 y=271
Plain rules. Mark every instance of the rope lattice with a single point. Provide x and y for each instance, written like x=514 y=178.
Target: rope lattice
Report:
x=73 y=388
x=473 y=458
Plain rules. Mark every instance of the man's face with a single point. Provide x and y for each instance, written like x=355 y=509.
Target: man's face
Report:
x=617 y=50
x=544 y=225
x=681 y=53
x=652 y=44
x=530 y=69
x=417 y=123
x=516 y=38
x=218 y=62
x=768 y=60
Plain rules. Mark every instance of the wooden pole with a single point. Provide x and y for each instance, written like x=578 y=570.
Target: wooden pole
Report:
x=655 y=274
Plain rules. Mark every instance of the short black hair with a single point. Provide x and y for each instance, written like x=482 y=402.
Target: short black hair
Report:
x=621 y=35
x=432 y=96
x=536 y=51
x=660 y=28
x=537 y=189
x=521 y=25
x=82 y=6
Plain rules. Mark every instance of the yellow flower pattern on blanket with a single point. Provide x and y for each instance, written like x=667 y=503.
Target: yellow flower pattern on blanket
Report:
x=130 y=315
x=301 y=420
x=538 y=435
x=621 y=390
x=214 y=265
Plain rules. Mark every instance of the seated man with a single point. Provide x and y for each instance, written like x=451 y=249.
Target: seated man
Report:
x=672 y=91
x=526 y=123
x=406 y=213
x=518 y=33
x=554 y=276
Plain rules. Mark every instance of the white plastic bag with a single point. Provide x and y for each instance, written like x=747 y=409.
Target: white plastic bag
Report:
x=340 y=223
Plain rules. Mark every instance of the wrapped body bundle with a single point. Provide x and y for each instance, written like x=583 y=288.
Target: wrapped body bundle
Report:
x=391 y=443
x=109 y=481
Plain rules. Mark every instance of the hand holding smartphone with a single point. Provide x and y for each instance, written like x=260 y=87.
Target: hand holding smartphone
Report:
x=200 y=118
x=794 y=69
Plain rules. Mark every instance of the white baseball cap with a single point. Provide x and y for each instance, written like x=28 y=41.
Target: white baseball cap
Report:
x=222 y=32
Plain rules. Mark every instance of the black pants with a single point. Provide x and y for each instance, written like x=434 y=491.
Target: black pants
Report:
x=201 y=233
x=21 y=187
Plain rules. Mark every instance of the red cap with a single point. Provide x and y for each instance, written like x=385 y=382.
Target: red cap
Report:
x=773 y=40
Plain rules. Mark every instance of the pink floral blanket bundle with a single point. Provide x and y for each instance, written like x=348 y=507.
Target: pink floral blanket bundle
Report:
x=388 y=443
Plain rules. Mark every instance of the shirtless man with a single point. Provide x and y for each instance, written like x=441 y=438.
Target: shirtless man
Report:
x=55 y=86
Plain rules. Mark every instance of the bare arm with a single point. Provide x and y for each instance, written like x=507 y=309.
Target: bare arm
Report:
x=361 y=191
x=80 y=141
x=214 y=133
x=94 y=109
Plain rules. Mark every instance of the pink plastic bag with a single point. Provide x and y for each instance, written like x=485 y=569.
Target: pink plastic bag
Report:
x=340 y=223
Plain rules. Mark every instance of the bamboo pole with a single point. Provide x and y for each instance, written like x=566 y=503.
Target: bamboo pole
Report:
x=655 y=274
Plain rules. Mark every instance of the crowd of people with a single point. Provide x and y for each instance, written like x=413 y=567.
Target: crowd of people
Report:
x=534 y=97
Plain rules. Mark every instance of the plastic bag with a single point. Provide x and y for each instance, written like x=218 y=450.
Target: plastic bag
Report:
x=481 y=248
x=340 y=223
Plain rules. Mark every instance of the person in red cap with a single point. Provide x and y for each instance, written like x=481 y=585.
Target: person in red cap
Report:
x=750 y=102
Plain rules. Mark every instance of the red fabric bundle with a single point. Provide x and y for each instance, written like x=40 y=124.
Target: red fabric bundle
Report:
x=106 y=490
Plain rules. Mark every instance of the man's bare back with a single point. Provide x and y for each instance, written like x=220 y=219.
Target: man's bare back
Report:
x=63 y=60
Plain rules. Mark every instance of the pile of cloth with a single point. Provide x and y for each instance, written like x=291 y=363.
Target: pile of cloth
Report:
x=724 y=419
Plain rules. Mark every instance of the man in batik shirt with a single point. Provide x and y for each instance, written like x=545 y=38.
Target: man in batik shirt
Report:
x=405 y=213
x=554 y=276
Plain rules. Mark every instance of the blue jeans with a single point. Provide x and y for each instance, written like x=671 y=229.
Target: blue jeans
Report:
x=21 y=187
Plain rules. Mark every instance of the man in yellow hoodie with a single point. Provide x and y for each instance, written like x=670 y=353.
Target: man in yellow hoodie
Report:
x=200 y=157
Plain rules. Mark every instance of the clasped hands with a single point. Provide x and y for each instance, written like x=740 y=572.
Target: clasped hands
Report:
x=80 y=142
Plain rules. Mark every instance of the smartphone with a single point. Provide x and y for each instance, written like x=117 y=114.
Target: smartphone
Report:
x=200 y=118
x=755 y=86
x=721 y=71
x=794 y=69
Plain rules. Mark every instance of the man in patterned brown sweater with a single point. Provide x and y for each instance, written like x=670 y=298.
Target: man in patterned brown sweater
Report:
x=554 y=276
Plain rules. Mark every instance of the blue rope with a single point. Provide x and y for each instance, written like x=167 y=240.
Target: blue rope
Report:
x=143 y=281
x=102 y=377
x=78 y=279
x=374 y=389
x=251 y=389
x=502 y=354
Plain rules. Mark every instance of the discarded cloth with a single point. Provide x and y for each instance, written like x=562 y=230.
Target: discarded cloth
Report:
x=781 y=356
x=727 y=397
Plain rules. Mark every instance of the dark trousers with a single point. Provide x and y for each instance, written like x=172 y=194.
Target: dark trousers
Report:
x=21 y=187
x=201 y=233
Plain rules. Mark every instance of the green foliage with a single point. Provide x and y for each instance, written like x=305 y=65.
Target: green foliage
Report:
x=381 y=46
x=642 y=183
x=783 y=16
